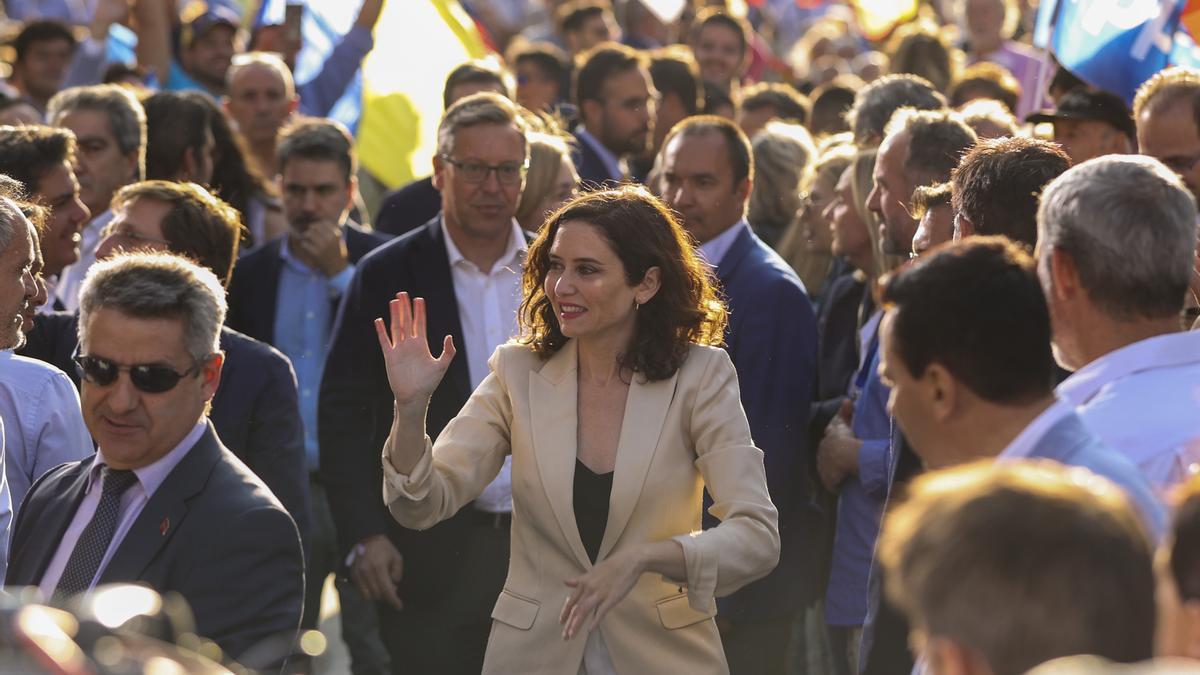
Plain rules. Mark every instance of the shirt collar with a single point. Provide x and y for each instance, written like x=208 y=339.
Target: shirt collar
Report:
x=512 y=256
x=611 y=162
x=151 y=476
x=1161 y=351
x=714 y=249
x=1026 y=442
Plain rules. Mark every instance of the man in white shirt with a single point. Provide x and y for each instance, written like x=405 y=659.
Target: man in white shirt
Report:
x=110 y=137
x=1116 y=237
x=965 y=345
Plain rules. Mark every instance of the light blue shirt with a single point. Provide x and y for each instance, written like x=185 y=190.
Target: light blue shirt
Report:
x=149 y=478
x=303 y=321
x=1143 y=400
x=6 y=509
x=44 y=423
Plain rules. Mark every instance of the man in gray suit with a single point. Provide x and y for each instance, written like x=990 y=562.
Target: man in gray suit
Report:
x=965 y=345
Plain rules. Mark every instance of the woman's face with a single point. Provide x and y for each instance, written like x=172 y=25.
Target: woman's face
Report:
x=985 y=23
x=587 y=288
x=566 y=186
x=812 y=217
x=849 y=232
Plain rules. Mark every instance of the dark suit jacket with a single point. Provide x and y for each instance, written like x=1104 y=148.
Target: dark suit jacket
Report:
x=772 y=340
x=211 y=532
x=256 y=411
x=407 y=208
x=593 y=175
x=254 y=289
x=356 y=405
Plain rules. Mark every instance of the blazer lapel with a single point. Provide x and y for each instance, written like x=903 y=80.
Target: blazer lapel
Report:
x=553 y=394
x=269 y=287
x=54 y=518
x=645 y=413
x=163 y=513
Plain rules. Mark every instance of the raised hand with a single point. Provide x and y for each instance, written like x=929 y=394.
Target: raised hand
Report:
x=412 y=371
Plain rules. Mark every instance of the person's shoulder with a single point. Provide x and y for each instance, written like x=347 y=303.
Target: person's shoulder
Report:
x=242 y=347
x=235 y=488
x=400 y=248
x=703 y=359
x=258 y=255
x=29 y=374
x=515 y=356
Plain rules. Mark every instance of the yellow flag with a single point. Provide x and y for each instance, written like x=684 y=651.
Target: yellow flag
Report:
x=877 y=18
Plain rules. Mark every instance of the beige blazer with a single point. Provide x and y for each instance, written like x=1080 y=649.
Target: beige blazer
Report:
x=679 y=435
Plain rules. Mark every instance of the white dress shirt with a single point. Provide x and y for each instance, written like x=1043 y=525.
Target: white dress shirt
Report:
x=487 y=309
x=149 y=478
x=71 y=278
x=713 y=251
x=45 y=425
x=1143 y=400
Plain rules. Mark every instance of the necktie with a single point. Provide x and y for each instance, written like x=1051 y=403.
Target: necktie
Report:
x=93 y=542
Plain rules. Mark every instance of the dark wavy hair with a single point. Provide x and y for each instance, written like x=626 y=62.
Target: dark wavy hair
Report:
x=644 y=234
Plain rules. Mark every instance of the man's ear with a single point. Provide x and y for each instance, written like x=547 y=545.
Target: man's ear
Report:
x=210 y=372
x=943 y=391
x=438 y=166
x=590 y=110
x=947 y=657
x=1064 y=275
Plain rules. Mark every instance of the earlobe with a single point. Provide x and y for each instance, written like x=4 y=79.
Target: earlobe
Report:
x=943 y=391
x=1063 y=274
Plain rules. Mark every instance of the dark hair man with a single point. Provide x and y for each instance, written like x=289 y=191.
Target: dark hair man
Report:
x=179 y=138
x=1031 y=543
x=466 y=263
x=760 y=103
x=44 y=50
x=583 y=24
x=721 y=43
x=676 y=78
x=965 y=349
x=875 y=104
x=109 y=124
x=1116 y=242
x=997 y=183
x=707 y=172
x=541 y=70
x=1090 y=123
x=409 y=207
x=255 y=411
x=286 y=293
x=613 y=91
x=935 y=217
x=920 y=148
x=41 y=159
x=195 y=520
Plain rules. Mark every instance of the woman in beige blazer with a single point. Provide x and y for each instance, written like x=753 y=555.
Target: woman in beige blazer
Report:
x=615 y=379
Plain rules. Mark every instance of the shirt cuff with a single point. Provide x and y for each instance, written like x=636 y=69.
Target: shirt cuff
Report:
x=413 y=487
x=339 y=282
x=701 y=572
x=873 y=465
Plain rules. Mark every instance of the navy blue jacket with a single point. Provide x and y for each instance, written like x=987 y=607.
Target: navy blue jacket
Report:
x=211 y=532
x=409 y=207
x=254 y=289
x=593 y=174
x=772 y=341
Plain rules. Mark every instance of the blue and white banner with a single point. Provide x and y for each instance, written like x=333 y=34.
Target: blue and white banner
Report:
x=1115 y=45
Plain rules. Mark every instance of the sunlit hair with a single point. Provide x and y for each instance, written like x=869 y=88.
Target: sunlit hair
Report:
x=643 y=234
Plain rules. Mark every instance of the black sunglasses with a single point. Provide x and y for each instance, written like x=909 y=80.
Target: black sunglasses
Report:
x=151 y=378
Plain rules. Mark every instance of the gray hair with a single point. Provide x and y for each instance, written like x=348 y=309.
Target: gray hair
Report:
x=158 y=286
x=783 y=157
x=1129 y=225
x=937 y=140
x=482 y=108
x=266 y=60
x=875 y=104
x=125 y=114
x=11 y=191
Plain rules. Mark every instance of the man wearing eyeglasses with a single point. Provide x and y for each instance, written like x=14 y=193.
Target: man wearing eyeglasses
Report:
x=435 y=589
x=162 y=502
x=286 y=293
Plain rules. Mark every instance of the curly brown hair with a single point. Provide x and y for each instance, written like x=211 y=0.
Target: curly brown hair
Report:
x=643 y=233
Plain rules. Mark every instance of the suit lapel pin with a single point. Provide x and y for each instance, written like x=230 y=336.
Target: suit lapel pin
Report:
x=164 y=526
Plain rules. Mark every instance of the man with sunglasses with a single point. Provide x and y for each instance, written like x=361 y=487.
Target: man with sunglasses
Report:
x=434 y=589
x=162 y=502
x=286 y=293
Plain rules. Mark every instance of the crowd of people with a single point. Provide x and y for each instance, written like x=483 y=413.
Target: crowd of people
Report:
x=733 y=338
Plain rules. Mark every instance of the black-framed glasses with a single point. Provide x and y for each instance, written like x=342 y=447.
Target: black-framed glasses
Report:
x=152 y=378
x=508 y=173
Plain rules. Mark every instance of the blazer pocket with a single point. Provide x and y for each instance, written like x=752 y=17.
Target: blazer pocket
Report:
x=676 y=612
x=515 y=610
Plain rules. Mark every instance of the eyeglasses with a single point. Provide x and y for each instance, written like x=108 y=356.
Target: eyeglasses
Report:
x=133 y=239
x=508 y=173
x=151 y=378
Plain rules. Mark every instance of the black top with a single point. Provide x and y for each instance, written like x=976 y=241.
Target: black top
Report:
x=591 y=506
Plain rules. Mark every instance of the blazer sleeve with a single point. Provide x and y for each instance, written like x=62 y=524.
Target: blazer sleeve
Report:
x=745 y=545
x=466 y=458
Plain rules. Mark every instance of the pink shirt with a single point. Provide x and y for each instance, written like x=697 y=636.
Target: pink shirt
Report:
x=149 y=478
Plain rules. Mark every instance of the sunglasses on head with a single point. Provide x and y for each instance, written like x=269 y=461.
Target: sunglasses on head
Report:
x=151 y=378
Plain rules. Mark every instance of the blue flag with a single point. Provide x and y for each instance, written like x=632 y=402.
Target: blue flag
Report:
x=1115 y=45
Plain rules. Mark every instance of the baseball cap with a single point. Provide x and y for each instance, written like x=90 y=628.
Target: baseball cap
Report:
x=205 y=18
x=1089 y=104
